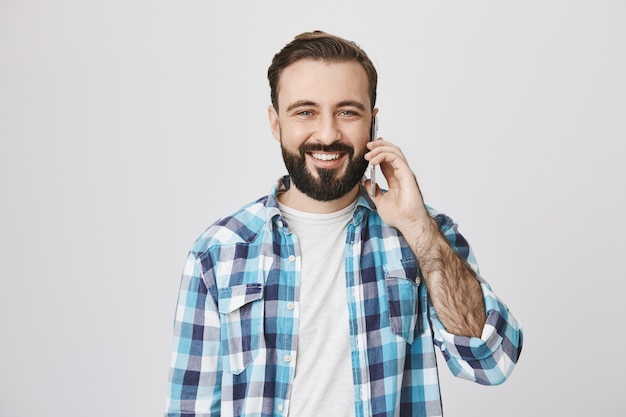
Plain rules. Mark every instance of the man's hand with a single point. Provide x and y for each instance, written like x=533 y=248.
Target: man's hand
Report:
x=402 y=206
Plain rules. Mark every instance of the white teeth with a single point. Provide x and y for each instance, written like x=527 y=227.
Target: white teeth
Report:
x=326 y=156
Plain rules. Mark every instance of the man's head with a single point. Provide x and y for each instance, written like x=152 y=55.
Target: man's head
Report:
x=323 y=92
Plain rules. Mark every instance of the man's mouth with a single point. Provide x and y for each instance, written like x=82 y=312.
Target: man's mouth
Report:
x=325 y=156
x=326 y=152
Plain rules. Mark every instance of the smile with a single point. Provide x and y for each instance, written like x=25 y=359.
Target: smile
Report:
x=326 y=156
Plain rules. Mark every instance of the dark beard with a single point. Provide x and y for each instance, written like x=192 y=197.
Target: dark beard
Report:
x=327 y=186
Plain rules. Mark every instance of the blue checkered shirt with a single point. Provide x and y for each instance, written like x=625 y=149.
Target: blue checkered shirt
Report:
x=236 y=324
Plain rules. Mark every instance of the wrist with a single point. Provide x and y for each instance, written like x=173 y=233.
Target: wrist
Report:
x=421 y=233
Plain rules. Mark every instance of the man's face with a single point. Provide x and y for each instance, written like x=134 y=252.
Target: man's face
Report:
x=323 y=125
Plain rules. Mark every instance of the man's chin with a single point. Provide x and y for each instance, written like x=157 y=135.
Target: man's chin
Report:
x=324 y=184
x=324 y=190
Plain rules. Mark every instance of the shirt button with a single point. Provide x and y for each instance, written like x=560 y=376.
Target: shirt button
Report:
x=291 y=306
x=287 y=358
x=279 y=223
x=281 y=407
x=292 y=258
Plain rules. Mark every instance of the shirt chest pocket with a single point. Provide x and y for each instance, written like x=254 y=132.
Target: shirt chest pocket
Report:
x=241 y=324
x=402 y=284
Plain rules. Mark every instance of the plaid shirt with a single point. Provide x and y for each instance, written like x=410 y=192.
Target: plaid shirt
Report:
x=236 y=325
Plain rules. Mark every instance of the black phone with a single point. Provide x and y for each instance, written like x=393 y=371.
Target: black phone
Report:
x=373 y=137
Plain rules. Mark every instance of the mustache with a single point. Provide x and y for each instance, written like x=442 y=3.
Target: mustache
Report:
x=333 y=147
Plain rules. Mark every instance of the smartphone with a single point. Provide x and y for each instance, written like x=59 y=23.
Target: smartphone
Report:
x=373 y=137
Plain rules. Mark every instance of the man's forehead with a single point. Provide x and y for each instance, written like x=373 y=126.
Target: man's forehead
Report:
x=319 y=82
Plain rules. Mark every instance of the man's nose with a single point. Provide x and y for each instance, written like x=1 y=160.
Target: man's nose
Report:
x=327 y=131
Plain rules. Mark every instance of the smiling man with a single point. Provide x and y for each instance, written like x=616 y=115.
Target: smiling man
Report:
x=318 y=299
x=322 y=120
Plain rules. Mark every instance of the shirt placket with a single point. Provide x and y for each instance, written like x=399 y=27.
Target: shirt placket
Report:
x=357 y=320
x=288 y=314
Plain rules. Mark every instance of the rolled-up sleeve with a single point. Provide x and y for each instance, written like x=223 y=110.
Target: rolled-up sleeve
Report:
x=490 y=359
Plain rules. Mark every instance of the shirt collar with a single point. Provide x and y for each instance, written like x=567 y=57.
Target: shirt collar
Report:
x=364 y=202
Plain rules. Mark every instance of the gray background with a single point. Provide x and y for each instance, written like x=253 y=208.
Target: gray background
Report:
x=127 y=127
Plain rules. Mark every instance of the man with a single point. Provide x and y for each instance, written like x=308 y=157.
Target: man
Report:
x=319 y=300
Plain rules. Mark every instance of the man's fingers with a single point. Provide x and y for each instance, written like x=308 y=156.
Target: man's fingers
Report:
x=381 y=152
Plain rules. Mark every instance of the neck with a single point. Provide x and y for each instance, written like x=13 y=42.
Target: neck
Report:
x=297 y=200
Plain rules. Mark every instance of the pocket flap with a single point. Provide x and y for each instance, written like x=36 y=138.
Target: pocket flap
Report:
x=233 y=298
x=406 y=269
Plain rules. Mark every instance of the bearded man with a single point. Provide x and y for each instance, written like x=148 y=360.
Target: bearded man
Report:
x=319 y=298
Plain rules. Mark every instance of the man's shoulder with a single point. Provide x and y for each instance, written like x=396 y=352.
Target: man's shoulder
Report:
x=442 y=219
x=244 y=225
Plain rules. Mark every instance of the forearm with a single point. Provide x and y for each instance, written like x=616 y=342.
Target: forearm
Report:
x=454 y=290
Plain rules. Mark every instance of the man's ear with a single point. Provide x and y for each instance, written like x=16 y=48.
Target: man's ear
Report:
x=274 y=123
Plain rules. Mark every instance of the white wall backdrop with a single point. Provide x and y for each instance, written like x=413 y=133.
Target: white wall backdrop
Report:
x=127 y=127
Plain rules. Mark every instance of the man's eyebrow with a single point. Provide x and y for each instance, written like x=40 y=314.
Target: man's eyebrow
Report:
x=309 y=103
x=301 y=103
x=352 y=103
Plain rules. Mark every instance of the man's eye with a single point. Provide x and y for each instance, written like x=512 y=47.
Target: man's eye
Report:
x=347 y=113
x=305 y=113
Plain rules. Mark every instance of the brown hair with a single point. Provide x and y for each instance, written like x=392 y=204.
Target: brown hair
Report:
x=322 y=46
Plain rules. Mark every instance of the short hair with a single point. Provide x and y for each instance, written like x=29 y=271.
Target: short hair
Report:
x=321 y=46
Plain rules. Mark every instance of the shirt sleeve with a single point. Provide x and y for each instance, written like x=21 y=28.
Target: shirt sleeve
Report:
x=195 y=369
x=490 y=359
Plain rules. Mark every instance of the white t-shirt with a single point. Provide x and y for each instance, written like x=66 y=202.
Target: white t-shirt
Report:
x=323 y=384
